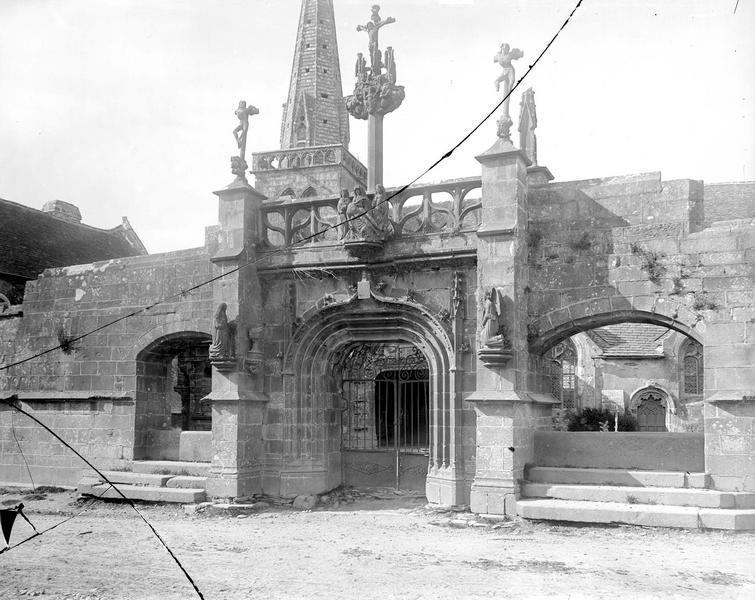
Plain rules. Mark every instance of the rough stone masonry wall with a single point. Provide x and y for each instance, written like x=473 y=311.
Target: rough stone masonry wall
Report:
x=90 y=392
x=727 y=201
x=668 y=266
x=601 y=246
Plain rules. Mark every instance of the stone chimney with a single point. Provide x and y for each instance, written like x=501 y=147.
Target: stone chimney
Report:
x=65 y=211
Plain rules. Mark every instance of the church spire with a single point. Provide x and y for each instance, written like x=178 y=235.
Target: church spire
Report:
x=315 y=113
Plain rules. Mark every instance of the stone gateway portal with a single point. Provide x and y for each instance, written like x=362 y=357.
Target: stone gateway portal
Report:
x=385 y=416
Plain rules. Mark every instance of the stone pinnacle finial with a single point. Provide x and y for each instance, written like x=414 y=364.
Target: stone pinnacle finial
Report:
x=504 y=57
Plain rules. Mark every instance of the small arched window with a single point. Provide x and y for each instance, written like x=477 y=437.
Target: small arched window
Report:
x=309 y=192
x=692 y=368
x=563 y=373
x=288 y=192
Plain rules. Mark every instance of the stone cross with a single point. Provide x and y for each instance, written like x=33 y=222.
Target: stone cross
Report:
x=373 y=30
x=243 y=112
x=504 y=57
x=375 y=95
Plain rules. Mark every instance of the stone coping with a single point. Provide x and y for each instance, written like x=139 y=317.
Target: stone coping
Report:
x=482 y=396
x=729 y=397
x=68 y=396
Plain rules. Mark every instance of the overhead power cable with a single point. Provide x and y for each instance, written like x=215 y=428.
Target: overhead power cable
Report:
x=182 y=293
x=13 y=403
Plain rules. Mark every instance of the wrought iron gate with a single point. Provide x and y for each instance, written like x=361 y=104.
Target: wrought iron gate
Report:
x=385 y=419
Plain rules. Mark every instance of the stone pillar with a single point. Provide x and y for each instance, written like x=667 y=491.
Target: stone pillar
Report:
x=507 y=414
x=238 y=402
x=374 y=152
x=729 y=411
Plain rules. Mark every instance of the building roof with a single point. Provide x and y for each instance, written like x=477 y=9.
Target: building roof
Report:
x=630 y=339
x=32 y=240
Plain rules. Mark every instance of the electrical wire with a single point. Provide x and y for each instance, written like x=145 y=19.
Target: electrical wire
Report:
x=184 y=292
x=13 y=403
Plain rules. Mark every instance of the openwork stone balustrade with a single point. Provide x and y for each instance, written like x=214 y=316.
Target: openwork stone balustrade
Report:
x=308 y=157
x=449 y=208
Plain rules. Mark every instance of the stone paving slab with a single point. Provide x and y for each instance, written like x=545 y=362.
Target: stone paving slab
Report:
x=131 y=478
x=186 y=481
x=686 y=517
x=626 y=477
x=639 y=495
x=146 y=493
x=172 y=467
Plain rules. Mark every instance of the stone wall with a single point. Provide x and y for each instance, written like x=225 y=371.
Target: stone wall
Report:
x=90 y=390
x=727 y=201
x=620 y=450
x=101 y=430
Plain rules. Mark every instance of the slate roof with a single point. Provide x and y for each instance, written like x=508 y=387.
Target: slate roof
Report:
x=630 y=339
x=32 y=241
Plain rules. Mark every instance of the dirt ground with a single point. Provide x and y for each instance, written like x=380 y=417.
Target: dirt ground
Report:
x=376 y=545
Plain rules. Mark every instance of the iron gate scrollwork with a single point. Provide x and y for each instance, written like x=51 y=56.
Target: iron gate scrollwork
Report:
x=385 y=395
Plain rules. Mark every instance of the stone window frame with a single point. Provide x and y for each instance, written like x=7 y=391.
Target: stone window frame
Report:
x=691 y=353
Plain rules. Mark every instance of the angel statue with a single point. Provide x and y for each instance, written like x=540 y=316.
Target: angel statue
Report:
x=492 y=329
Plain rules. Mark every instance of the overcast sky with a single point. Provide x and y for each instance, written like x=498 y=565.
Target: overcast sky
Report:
x=126 y=107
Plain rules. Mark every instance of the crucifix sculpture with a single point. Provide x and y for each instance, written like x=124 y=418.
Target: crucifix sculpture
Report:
x=373 y=30
x=238 y=163
x=507 y=77
x=375 y=94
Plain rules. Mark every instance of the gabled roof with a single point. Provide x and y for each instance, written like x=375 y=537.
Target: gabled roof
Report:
x=32 y=241
x=630 y=339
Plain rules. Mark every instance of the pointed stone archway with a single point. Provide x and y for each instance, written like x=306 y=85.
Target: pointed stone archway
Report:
x=313 y=401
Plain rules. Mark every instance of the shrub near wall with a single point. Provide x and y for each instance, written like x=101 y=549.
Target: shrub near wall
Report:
x=600 y=419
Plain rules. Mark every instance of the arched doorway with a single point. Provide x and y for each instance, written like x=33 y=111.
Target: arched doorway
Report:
x=649 y=406
x=313 y=371
x=173 y=376
x=385 y=416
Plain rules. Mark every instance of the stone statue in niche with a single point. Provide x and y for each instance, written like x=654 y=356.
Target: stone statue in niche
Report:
x=508 y=77
x=493 y=327
x=223 y=335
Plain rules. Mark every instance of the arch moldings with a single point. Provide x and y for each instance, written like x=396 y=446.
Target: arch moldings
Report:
x=165 y=330
x=310 y=388
x=667 y=399
x=546 y=340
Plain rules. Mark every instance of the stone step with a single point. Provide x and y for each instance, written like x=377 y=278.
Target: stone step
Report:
x=95 y=487
x=187 y=481
x=172 y=467
x=640 y=495
x=131 y=478
x=686 y=517
x=627 y=477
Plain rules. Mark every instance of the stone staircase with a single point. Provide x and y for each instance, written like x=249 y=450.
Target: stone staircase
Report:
x=635 y=497
x=151 y=481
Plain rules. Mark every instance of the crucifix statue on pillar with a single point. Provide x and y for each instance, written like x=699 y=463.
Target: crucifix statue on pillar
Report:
x=507 y=77
x=238 y=163
x=375 y=94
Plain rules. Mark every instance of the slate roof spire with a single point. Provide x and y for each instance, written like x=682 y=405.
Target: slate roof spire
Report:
x=315 y=113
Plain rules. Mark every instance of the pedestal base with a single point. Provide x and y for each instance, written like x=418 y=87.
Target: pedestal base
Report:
x=446 y=488
x=494 y=497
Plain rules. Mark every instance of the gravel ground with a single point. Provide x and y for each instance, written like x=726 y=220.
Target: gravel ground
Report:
x=373 y=545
